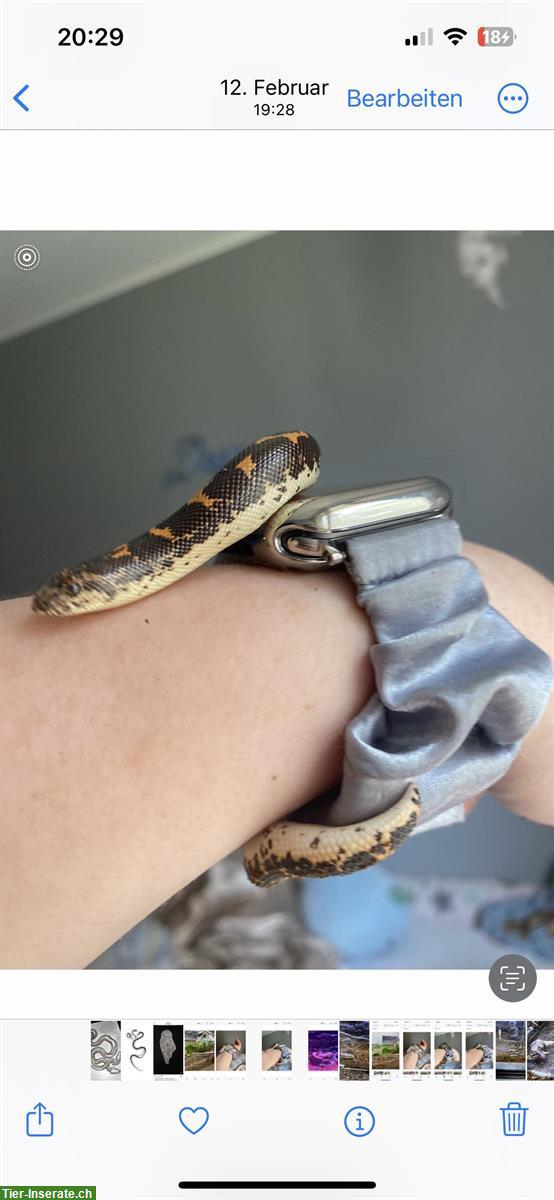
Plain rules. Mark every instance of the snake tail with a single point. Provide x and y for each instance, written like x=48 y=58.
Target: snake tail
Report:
x=289 y=849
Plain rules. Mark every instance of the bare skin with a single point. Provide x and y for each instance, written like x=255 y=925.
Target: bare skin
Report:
x=409 y=1062
x=271 y=1057
x=141 y=745
x=224 y=1058
x=440 y=1055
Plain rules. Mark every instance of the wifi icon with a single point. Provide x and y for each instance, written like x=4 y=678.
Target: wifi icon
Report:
x=455 y=35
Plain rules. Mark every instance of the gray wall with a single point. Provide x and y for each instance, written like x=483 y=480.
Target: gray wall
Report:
x=373 y=341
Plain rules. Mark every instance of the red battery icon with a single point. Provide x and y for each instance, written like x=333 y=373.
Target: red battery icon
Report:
x=495 y=35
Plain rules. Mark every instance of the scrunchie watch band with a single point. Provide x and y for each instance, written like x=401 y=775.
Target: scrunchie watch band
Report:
x=457 y=689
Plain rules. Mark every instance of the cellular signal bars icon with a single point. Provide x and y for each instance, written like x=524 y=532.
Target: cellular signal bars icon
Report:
x=420 y=39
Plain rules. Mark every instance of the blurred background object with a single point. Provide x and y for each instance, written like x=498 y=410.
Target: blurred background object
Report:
x=132 y=365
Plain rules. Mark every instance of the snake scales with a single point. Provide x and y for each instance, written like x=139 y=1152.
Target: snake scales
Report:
x=230 y=507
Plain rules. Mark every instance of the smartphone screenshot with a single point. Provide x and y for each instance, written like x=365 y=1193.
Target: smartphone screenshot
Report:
x=277 y=620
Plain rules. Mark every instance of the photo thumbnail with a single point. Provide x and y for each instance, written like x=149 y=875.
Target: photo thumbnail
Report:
x=510 y=1049
x=354 y=1050
x=168 y=1051
x=416 y=1058
x=276 y=1050
x=540 y=1050
x=199 y=1050
x=230 y=1050
x=323 y=1050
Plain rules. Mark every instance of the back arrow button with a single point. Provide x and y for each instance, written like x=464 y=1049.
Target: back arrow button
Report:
x=18 y=96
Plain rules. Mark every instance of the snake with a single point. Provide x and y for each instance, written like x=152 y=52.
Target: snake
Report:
x=104 y=1059
x=230 y=509
x=138 y=1051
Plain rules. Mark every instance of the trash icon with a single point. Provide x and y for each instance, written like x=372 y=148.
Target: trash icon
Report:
x=514 y=1116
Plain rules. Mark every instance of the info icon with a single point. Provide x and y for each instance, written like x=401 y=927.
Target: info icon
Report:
x=359 y=1121
x=512 y=977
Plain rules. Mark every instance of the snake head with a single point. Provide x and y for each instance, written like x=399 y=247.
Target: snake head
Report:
x=59 y=596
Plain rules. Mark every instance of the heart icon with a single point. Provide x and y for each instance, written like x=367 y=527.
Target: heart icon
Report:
x=194 y=1119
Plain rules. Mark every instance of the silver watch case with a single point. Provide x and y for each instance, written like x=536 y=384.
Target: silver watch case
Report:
x=310 y=533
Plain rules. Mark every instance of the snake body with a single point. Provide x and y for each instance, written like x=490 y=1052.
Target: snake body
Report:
x=292 y=849
x=230 y=507
x=103 y=1059
x=138 y=1051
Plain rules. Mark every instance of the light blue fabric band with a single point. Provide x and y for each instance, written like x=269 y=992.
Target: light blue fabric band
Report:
x=457 y=686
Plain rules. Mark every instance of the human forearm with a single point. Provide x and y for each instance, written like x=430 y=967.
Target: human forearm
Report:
x=144 y=744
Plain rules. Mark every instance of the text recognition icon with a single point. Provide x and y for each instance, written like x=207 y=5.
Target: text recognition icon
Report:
x=359 y=1121
x=512 y=977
